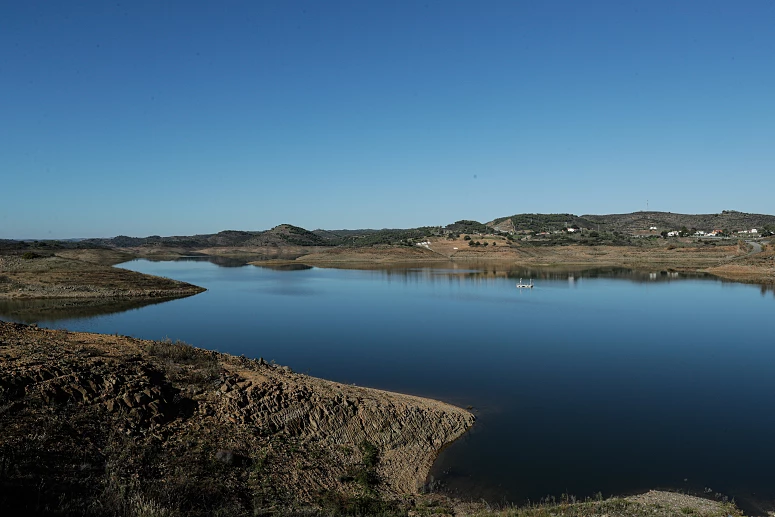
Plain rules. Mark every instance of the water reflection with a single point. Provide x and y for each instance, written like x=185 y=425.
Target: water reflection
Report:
x=456 y=271
x=240 y=260
x=230 y=261
x=53 y=310
x=553 y=274
x=285 y=267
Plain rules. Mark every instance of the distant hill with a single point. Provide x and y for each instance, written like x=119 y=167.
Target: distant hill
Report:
x=468 y=226
x=290 y=235
x=50 y=245
x=280 y=235
x=637 y=221
x=538 y=222
x=385 y=236
x=294 y=235
x=339 y=235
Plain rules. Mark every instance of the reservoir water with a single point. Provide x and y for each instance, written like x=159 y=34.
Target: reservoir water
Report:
x=594 y=381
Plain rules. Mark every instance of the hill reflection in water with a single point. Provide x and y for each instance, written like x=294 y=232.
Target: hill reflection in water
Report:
x=54 y=310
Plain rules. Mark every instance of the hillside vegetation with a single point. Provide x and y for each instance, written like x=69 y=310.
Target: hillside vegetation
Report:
x=612 y=229
x=637 y=221
x=284 y=234
x=539 y=222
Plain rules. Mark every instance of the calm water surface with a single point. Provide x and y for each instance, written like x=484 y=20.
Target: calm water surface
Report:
x=593 y=381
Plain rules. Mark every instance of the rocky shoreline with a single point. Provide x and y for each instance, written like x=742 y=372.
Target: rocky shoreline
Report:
x=100 y=421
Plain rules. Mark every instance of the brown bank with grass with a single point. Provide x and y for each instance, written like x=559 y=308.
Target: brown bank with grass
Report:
x=82 y=274
x=730 y=260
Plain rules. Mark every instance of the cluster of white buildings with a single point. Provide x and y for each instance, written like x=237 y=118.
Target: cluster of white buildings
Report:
x=671 y=233
x=714 y=233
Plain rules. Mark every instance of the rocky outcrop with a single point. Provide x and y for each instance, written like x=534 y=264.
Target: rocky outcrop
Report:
x=160 y=414
x=408 y=431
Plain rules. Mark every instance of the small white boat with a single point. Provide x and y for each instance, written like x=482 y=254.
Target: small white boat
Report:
x=520 y=285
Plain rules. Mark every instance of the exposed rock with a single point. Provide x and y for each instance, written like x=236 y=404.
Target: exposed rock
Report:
x=227 y=457
x=302 y=434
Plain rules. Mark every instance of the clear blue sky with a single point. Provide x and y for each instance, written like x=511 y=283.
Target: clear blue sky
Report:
x=172 y=118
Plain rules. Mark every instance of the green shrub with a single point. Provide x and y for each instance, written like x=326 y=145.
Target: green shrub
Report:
x=370 y=453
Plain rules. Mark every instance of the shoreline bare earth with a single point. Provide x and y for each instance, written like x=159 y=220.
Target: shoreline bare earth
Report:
x=87 y=275
x=734 y=262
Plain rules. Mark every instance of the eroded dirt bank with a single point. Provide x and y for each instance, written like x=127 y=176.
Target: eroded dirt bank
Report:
x=109 y=424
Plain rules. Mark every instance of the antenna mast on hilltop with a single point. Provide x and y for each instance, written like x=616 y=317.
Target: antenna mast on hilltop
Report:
x=647 y=205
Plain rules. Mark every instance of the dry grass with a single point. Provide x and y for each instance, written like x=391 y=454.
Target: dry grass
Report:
x=722 y=259
x=650 y=504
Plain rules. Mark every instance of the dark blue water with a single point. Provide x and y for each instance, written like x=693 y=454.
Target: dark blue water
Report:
x=605 y=381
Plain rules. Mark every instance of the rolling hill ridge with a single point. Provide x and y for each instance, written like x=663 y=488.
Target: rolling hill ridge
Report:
x=285 y=235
